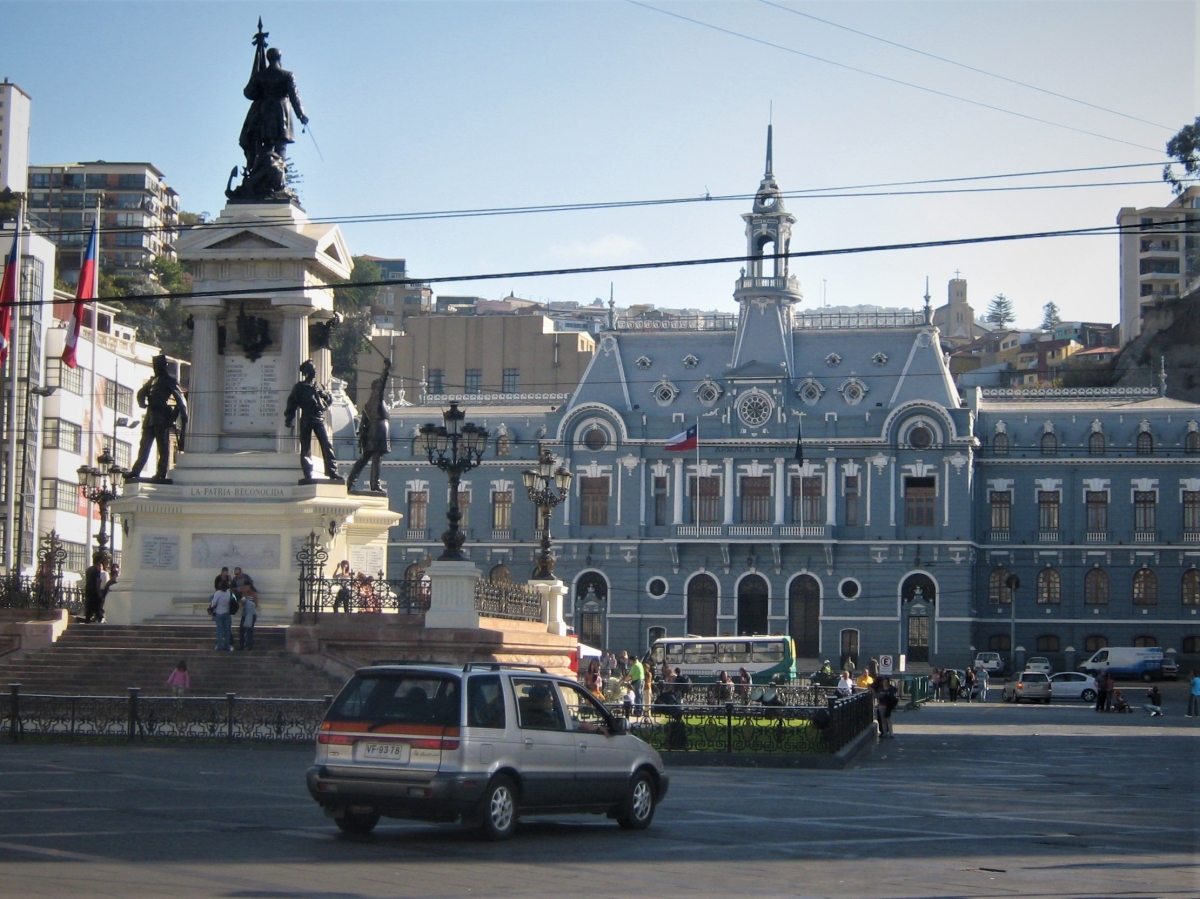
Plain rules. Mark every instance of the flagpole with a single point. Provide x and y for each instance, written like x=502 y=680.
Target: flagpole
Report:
x=13 y=354
x=92 y=390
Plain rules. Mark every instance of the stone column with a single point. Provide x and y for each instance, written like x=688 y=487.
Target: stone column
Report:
x=780 y=491
x=294 y=350
x=552 y=593
x=730 y=484
x=206 y=396
x=678 y=508
x=831 y=492
x=452 y=595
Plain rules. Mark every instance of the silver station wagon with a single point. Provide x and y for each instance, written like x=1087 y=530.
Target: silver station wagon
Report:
x=482 y=744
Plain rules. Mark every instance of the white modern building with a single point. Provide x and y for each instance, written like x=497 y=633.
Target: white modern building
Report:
x=1160 y=255
x=14 y=137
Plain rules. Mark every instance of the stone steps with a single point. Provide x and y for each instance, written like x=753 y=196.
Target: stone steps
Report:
x=107 y=660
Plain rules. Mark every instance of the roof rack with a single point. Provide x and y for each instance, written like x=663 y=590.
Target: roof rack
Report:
x=428 y=663
x=496 y=666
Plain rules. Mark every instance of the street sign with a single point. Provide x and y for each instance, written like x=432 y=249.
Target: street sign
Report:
x=885 y=665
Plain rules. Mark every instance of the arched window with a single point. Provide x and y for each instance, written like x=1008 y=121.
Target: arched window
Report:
x=417 y=585
x=702 y=606
x=591 y=606
x=1000 y=445
x=1145 y=641
x=1145 y=587
x=1191 y=587
x=999 y=643
x=752 y=606
x=1095 y=587
x=500 y=573
x=1094 y=643
x=1191 y=443
x=1145 y=444
x=1191 y=645
x=1049 y=445
x=1096 y=444
x=804 y=615
x=1049 y=587
x=998 y=591
x=1048 y=643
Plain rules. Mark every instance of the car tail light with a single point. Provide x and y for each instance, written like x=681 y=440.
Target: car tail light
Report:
x=335 y=739
x=435 y=743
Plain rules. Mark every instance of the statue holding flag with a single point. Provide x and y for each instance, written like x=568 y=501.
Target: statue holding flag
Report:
x=267 y=129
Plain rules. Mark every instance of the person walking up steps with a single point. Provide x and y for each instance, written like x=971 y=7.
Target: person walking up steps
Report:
x=249 y=617
x=220 y=607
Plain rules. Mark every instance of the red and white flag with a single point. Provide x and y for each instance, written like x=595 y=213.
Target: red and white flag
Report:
x=10 y=290
x=85 y=291
x=683 y=441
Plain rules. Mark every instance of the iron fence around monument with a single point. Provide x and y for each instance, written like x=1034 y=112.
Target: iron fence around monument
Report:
x=354 y=593
x=136 y=718
x=46 y=590
x=505 y=599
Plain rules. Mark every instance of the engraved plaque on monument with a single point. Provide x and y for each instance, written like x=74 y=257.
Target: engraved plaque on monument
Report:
x=251 y=395
x=160 y=551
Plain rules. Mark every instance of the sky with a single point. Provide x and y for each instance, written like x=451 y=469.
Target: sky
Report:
x=455 y=105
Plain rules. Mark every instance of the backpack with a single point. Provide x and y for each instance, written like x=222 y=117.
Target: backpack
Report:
x=234 y=605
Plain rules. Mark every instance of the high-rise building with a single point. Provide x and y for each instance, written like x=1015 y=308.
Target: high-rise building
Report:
x=14 y=137
x=139 y=213
x=394 y=304
x=1160 y=255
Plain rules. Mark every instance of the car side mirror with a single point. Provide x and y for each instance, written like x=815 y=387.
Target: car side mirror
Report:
x=621 y=727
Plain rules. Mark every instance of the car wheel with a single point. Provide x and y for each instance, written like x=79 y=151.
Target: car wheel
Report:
x=638 y=810
x=1146 y=677
x=498 y=810
x=357 y=823
x=1047 y=700
x=1088 y=695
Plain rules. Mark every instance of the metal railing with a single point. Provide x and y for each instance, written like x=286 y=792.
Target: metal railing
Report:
x=45 y=590
x=735 y=728
x=505 y=599
x=894 y=318
x=136 y=718
x=359 y=593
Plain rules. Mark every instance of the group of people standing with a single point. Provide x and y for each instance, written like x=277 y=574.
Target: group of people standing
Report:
x=948 y=685
x=97 y=581
x=233 y=593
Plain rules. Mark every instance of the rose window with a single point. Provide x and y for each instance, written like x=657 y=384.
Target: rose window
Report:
x=754 y=409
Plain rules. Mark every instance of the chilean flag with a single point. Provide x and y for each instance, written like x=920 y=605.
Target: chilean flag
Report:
x=85 y=291
x=9 y=290
x=683 y=441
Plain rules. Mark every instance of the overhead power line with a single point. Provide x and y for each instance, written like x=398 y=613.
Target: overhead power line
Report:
x=963 y=65
x=888 y=78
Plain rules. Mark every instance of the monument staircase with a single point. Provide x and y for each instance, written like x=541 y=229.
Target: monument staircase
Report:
x=105 y=660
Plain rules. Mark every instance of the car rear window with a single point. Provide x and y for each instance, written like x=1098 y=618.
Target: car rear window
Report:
x=399 y=698
x=1034 y=677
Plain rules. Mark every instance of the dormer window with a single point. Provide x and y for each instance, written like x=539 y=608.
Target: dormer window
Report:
x=642 y=362
x=690 y=361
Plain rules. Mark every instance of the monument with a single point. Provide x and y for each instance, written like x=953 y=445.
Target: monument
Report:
x=261 y=307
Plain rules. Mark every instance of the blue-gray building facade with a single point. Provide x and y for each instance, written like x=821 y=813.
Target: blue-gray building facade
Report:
x=841 y=490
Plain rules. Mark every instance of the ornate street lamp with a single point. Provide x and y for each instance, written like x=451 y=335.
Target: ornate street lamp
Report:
x=101 y=485
x=547 y=488
x=455 y=448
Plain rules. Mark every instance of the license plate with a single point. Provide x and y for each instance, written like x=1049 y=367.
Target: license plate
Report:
x=397 y=753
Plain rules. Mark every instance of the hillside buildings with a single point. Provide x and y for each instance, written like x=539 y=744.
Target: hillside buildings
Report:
x=1158 y=260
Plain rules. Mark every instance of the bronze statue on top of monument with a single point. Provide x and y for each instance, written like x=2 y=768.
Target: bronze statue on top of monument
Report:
x=309 y=400
x=268 y=128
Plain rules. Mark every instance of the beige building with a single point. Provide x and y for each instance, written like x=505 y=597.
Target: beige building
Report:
x=956 y=320
x=479 y=359
x=1160 y=255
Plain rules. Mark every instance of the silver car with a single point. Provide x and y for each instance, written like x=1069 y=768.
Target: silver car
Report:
x=483 y=744
x=1033 y=686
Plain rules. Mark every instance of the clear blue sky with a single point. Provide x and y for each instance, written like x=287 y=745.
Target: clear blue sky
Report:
x=447 y=105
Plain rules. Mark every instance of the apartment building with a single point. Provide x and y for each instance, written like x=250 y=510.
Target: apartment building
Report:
x=1160 y=255
x=393 y=304
x=138 y=221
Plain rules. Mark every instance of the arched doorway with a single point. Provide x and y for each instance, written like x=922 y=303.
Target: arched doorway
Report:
x=591 y=602
x=702 y=606
x=918 y=598
x=752 y=606
x=804 y=615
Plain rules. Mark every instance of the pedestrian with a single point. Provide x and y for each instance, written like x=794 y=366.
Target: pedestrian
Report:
x=222 y=580
x=845 y=685
x=114 y=572
x=249 y=618
x=725 y=687
x=623 y=663
x=343 y=575
x=885 y=703
x=240 y=579
x=953 y=685
x=593 y=680
x=220 y=608
x=972 y=684
x=1118 y=702
x=864 y=679
x=1102 y=691
x=637 y=680
x=1153 y=703
x=607 y=664
x=743 y=683
x=179 y=681
x=981 y=678
x=95 y=579
x=1193 y=708
x=935 y=684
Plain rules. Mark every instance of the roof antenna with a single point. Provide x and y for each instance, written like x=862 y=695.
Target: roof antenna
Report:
x=612 y=309
x=928 y=307
x=1162 y=376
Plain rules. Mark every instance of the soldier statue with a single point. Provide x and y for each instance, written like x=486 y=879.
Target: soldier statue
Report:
x=311 y=400
x=164 y=404
x=373 y=435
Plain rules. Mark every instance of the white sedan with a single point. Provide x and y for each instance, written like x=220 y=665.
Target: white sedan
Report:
x=1039 y=663
x=1072 y=685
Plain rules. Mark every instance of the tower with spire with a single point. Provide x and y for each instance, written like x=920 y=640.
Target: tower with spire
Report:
x=766 y=292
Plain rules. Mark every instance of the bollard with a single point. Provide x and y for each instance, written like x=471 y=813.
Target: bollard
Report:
x=14 y=727
x=131 y=727
x=230 y=698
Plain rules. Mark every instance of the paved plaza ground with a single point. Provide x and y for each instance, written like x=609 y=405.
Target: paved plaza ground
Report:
x=967 y=801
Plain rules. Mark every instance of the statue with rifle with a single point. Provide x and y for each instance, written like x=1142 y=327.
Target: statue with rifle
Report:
x=166 y=413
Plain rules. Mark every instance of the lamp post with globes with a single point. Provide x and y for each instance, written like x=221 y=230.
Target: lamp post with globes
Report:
x=547 y=488
x=101 y=484
x=455 y=448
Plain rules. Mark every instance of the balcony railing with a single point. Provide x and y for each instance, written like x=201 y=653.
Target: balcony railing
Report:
x=502 y=534
x=820 y=321
x=1145 y=536
x=1191 y=536
x=788 y=283
x=417 y=534
x=1097 y=536
x=751 y=530
x=802 y=530
x=699 y=530
x=1047 y=536
x=999 y=536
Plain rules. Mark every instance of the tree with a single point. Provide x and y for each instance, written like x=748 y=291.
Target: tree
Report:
x=1184 y=148
x=10 y=203
x=1000 y=311
x=161 y=321
x=1050 y=316
x=351 y=335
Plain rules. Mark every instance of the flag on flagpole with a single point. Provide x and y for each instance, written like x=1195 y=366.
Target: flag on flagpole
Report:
x=83 y=293
x=800 y=441
x=9 y=290
x=683 y=441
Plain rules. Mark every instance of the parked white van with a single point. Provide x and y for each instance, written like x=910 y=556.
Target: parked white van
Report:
x=1126 y=661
